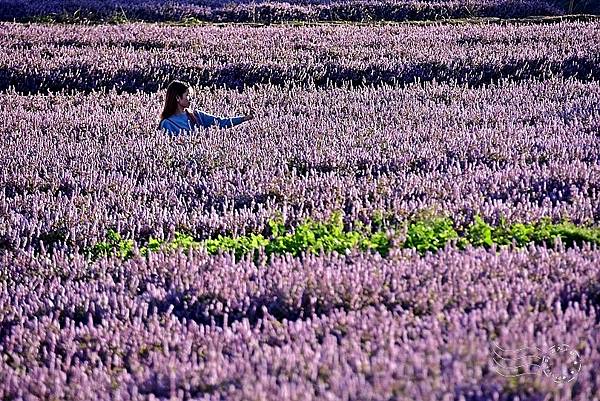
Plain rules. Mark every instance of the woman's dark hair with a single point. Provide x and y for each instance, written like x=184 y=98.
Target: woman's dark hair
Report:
x=175 y=88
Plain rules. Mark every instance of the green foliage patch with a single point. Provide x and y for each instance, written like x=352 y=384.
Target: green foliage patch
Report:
x=425 y=234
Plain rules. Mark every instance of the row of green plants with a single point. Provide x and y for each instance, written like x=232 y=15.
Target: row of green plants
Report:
x=312 y=236
x=421 y=233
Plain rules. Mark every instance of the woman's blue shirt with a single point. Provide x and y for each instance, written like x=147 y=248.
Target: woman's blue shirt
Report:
x=178 y=122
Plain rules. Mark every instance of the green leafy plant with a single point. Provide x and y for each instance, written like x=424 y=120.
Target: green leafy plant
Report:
x=480 y=233
x=153 y=246
x=114 y=245
x=430 y=234
x=425 y=232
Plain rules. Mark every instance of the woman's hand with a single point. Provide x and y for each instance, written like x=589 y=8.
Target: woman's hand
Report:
x=249 y=116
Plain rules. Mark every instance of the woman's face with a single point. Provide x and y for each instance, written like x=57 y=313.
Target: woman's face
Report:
x=184 y=101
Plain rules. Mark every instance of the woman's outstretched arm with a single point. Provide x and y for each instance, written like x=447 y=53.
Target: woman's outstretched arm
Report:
x=207 y=120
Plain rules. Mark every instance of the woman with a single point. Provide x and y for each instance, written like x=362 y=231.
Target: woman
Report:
x=176 y=118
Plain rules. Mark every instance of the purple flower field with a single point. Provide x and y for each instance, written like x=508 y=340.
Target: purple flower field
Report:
x=42 y=58
x=500 y=121
x=205 y=327
x=274 y=11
